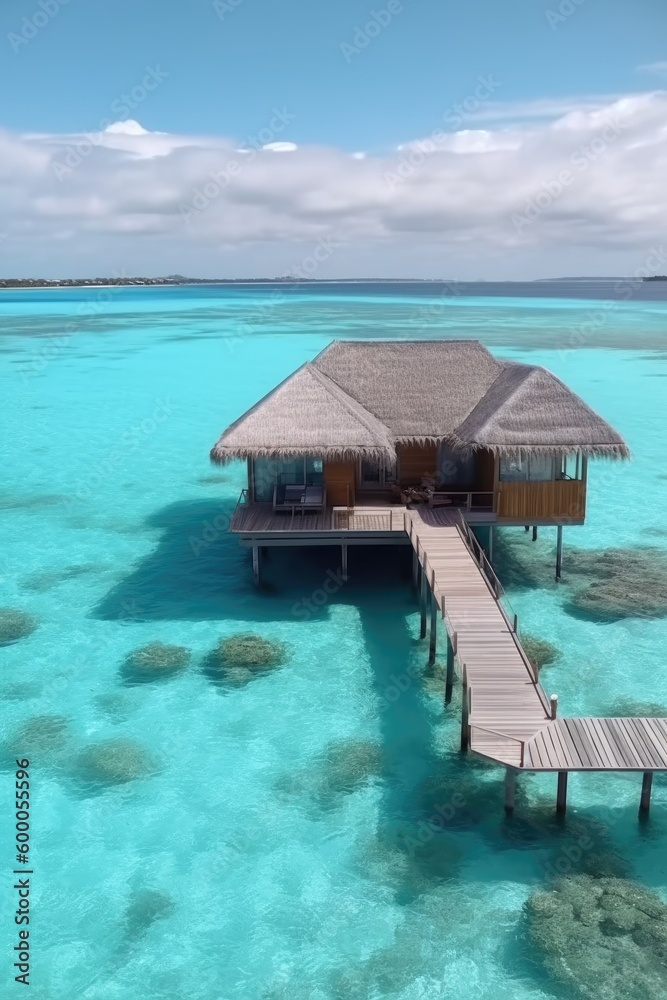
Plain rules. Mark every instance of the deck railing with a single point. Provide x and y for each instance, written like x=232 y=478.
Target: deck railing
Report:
x=503 y=603
x=504 y=736
x=468 y=500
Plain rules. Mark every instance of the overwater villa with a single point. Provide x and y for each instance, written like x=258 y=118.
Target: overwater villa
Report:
x=422 y=443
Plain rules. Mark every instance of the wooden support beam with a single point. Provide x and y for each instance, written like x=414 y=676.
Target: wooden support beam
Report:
x=645 y=801
x=465 y=713
x=510 y=790
x=256 y=568
x=449 y=680
x=422 y=606
x=343 y=556
x=561 y=794
x=559 y=551
x=534 y=532
x=415 y=571
x=554 y=704
x=433 y=633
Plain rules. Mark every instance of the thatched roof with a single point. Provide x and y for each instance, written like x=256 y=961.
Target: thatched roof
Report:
x=307 y=414
x=420 y=389
x=528 y=409
x=362 y=398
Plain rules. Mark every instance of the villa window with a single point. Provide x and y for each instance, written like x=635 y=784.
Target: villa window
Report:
x=269 y=471
x=377 y=473
x=533 y=469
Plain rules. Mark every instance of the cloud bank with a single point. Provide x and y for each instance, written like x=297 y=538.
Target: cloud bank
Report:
x=583 y=182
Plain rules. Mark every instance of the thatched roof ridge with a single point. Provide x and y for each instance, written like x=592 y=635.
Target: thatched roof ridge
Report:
x=307 y=414
x=420 y=389
x=529 y=410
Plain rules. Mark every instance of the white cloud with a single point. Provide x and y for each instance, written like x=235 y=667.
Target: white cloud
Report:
x=421 y=209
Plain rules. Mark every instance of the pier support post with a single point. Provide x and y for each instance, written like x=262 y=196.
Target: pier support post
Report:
x=465 y=713
x=534 y=532
x=561 y=794
x=645 y=801
x=256 y=561
x=449 y=681
x=343 y=560
x=422 y=606
x=510 y=790
x=559 y=551
x=433 y=633
x=491 y=544
x=526 y=527
x=415 y=571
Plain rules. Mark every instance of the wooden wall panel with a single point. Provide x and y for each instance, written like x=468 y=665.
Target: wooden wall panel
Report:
x=415 y=461
x=485 y=469
x=563 y=499
x=339 y=482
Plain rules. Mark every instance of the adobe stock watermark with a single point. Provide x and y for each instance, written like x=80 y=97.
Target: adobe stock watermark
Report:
x=94 y=305
x=121 y=107
x=583 y=157
x=306 y=607
x=32 y=25
x=364 y=34
x=219 y=180
x=225 y=7
x=325 y=247
x=596 y=319
x=130 y=440
x=414 y=158
x=565 y=10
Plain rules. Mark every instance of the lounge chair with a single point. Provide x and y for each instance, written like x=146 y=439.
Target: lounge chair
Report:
x=288 y=497
x=314 y=498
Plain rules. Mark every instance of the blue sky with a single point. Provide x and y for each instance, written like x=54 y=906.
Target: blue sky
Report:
x=558 y=69
x=226 y=73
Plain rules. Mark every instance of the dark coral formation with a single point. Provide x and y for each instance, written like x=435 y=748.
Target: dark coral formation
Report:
x=114 y=762
x=345 y=766
x=411 y=858
x=41 y=736
x=603 y=937
x=539 y=651
x=238 y=658
x=614 y=584
x=349 y=764
x=155 y=660
x=605 y=585
x=47 y=580
x=15 y=624
x=626 y=708
x=145 y=907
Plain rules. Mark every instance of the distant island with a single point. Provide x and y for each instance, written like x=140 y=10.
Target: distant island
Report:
x=289 y=279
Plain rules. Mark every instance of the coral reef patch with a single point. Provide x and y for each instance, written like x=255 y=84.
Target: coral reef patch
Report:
x=606 y=938
x=15 y=624
x=154 y=661
x=237 y=659
x=114 y=762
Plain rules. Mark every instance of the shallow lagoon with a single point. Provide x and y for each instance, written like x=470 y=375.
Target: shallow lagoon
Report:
x=265 y=844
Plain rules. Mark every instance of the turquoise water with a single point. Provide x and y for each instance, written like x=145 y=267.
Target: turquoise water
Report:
x=278 y=820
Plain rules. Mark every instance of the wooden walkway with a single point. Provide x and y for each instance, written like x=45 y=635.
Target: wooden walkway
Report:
x=509 y=718
x=599 y=745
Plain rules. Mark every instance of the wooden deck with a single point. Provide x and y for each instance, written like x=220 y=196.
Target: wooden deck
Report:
x=261 y=518
x=508 y=713
x=599 y=745
x=508 y=706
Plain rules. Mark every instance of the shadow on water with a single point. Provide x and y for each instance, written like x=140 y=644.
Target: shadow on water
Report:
x=200 y=572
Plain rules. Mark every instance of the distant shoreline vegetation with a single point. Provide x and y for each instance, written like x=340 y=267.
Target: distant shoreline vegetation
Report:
x=177 y=279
